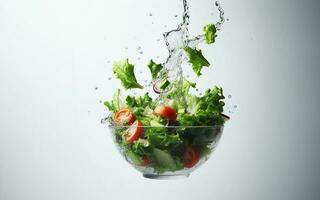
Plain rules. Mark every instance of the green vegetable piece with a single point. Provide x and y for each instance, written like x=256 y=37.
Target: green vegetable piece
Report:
x=154 y=69
x=125 y=72
x=165 y=162
x=204 y=111
x=210 y=33
x=196 y=59
x=142 y=147
x=133 y=157
x=116 y=103
x=139 y=101
x=164 y=84
x=155 y=123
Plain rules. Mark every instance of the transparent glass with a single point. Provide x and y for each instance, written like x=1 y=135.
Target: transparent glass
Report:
x=203 y=139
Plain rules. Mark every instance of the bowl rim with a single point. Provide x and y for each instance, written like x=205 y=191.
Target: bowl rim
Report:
x=128 y=126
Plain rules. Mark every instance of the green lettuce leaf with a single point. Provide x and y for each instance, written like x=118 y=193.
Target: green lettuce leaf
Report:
x=161 y=138
x=139 y=101
x=163 y=161
x=210 y=33
x=154 y=69
x=115 y=104
x=125 y=72
x=204 y=111
x=140 y=105
x=142 y=147
x=196 y=59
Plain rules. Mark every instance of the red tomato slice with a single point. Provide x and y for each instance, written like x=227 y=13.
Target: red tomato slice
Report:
x=165 y=112
x=191 y=156
x=145 y=161
x=134 y=132
x=124 y=115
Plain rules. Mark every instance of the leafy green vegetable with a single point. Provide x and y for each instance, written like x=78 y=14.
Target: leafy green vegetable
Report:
x=133 y=157
x=142 y=147
x=139 y=105
x=115 y=104
x=205 y=110
x=210 y=33
x=164 y=84
x=196 y=59
x=154 y=69
x=163 y=161
x=139 y=101
x=159 y=137
x=125 y=72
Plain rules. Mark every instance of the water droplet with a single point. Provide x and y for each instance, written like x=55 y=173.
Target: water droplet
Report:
x=135 y=93
x=197 y=90
x=139 y=48
x=165 y=26
x=158 y=40
x=229 y=96
x=126 y=48
x=105 y=120
x=200 y=94
x=228 y=19
x=176 y=16
x=100 y=101
x=139 y=58
x=235 y=106
x=152 y=22
x=109 y=78
x=108 y=61
x=217 y=3
x=150 y=14
x=141 y=52
x=145 y=81
x=188 y=76
x=158 y=57
x=140 y=72
x=96 y=88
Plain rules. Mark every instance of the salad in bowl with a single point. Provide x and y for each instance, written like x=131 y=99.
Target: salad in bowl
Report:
x=172 y=134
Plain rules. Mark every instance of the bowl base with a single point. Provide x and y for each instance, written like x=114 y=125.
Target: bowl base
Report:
x=166 y=177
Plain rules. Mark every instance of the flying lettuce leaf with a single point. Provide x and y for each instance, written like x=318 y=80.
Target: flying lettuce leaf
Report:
x=210 y=33
x=154 y=69
x=196 y=59
x=125 y=72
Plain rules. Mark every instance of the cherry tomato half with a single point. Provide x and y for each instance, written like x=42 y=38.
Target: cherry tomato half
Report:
x=191 y=156
x=165 y=112
x=134 y=132
x=124 y=115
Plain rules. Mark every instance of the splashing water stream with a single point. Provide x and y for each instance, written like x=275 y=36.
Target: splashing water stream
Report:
x=175 y=41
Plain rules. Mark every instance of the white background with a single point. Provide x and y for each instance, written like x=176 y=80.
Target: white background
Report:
x=54 y=53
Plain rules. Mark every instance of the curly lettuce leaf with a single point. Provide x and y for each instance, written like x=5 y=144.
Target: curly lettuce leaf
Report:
x=142 y=147
x=161 y=138
x=125 y=72
x=154 y=69
x=140 y=105
x=163 y=161
x=115 y=104
x=139 y=101
x=210 y=33
x=204 y=111
x=196 y=59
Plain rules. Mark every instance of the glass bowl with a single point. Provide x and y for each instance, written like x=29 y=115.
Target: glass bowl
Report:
x=167 y=152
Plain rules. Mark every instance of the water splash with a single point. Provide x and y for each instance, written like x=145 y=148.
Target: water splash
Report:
x=176 y=40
